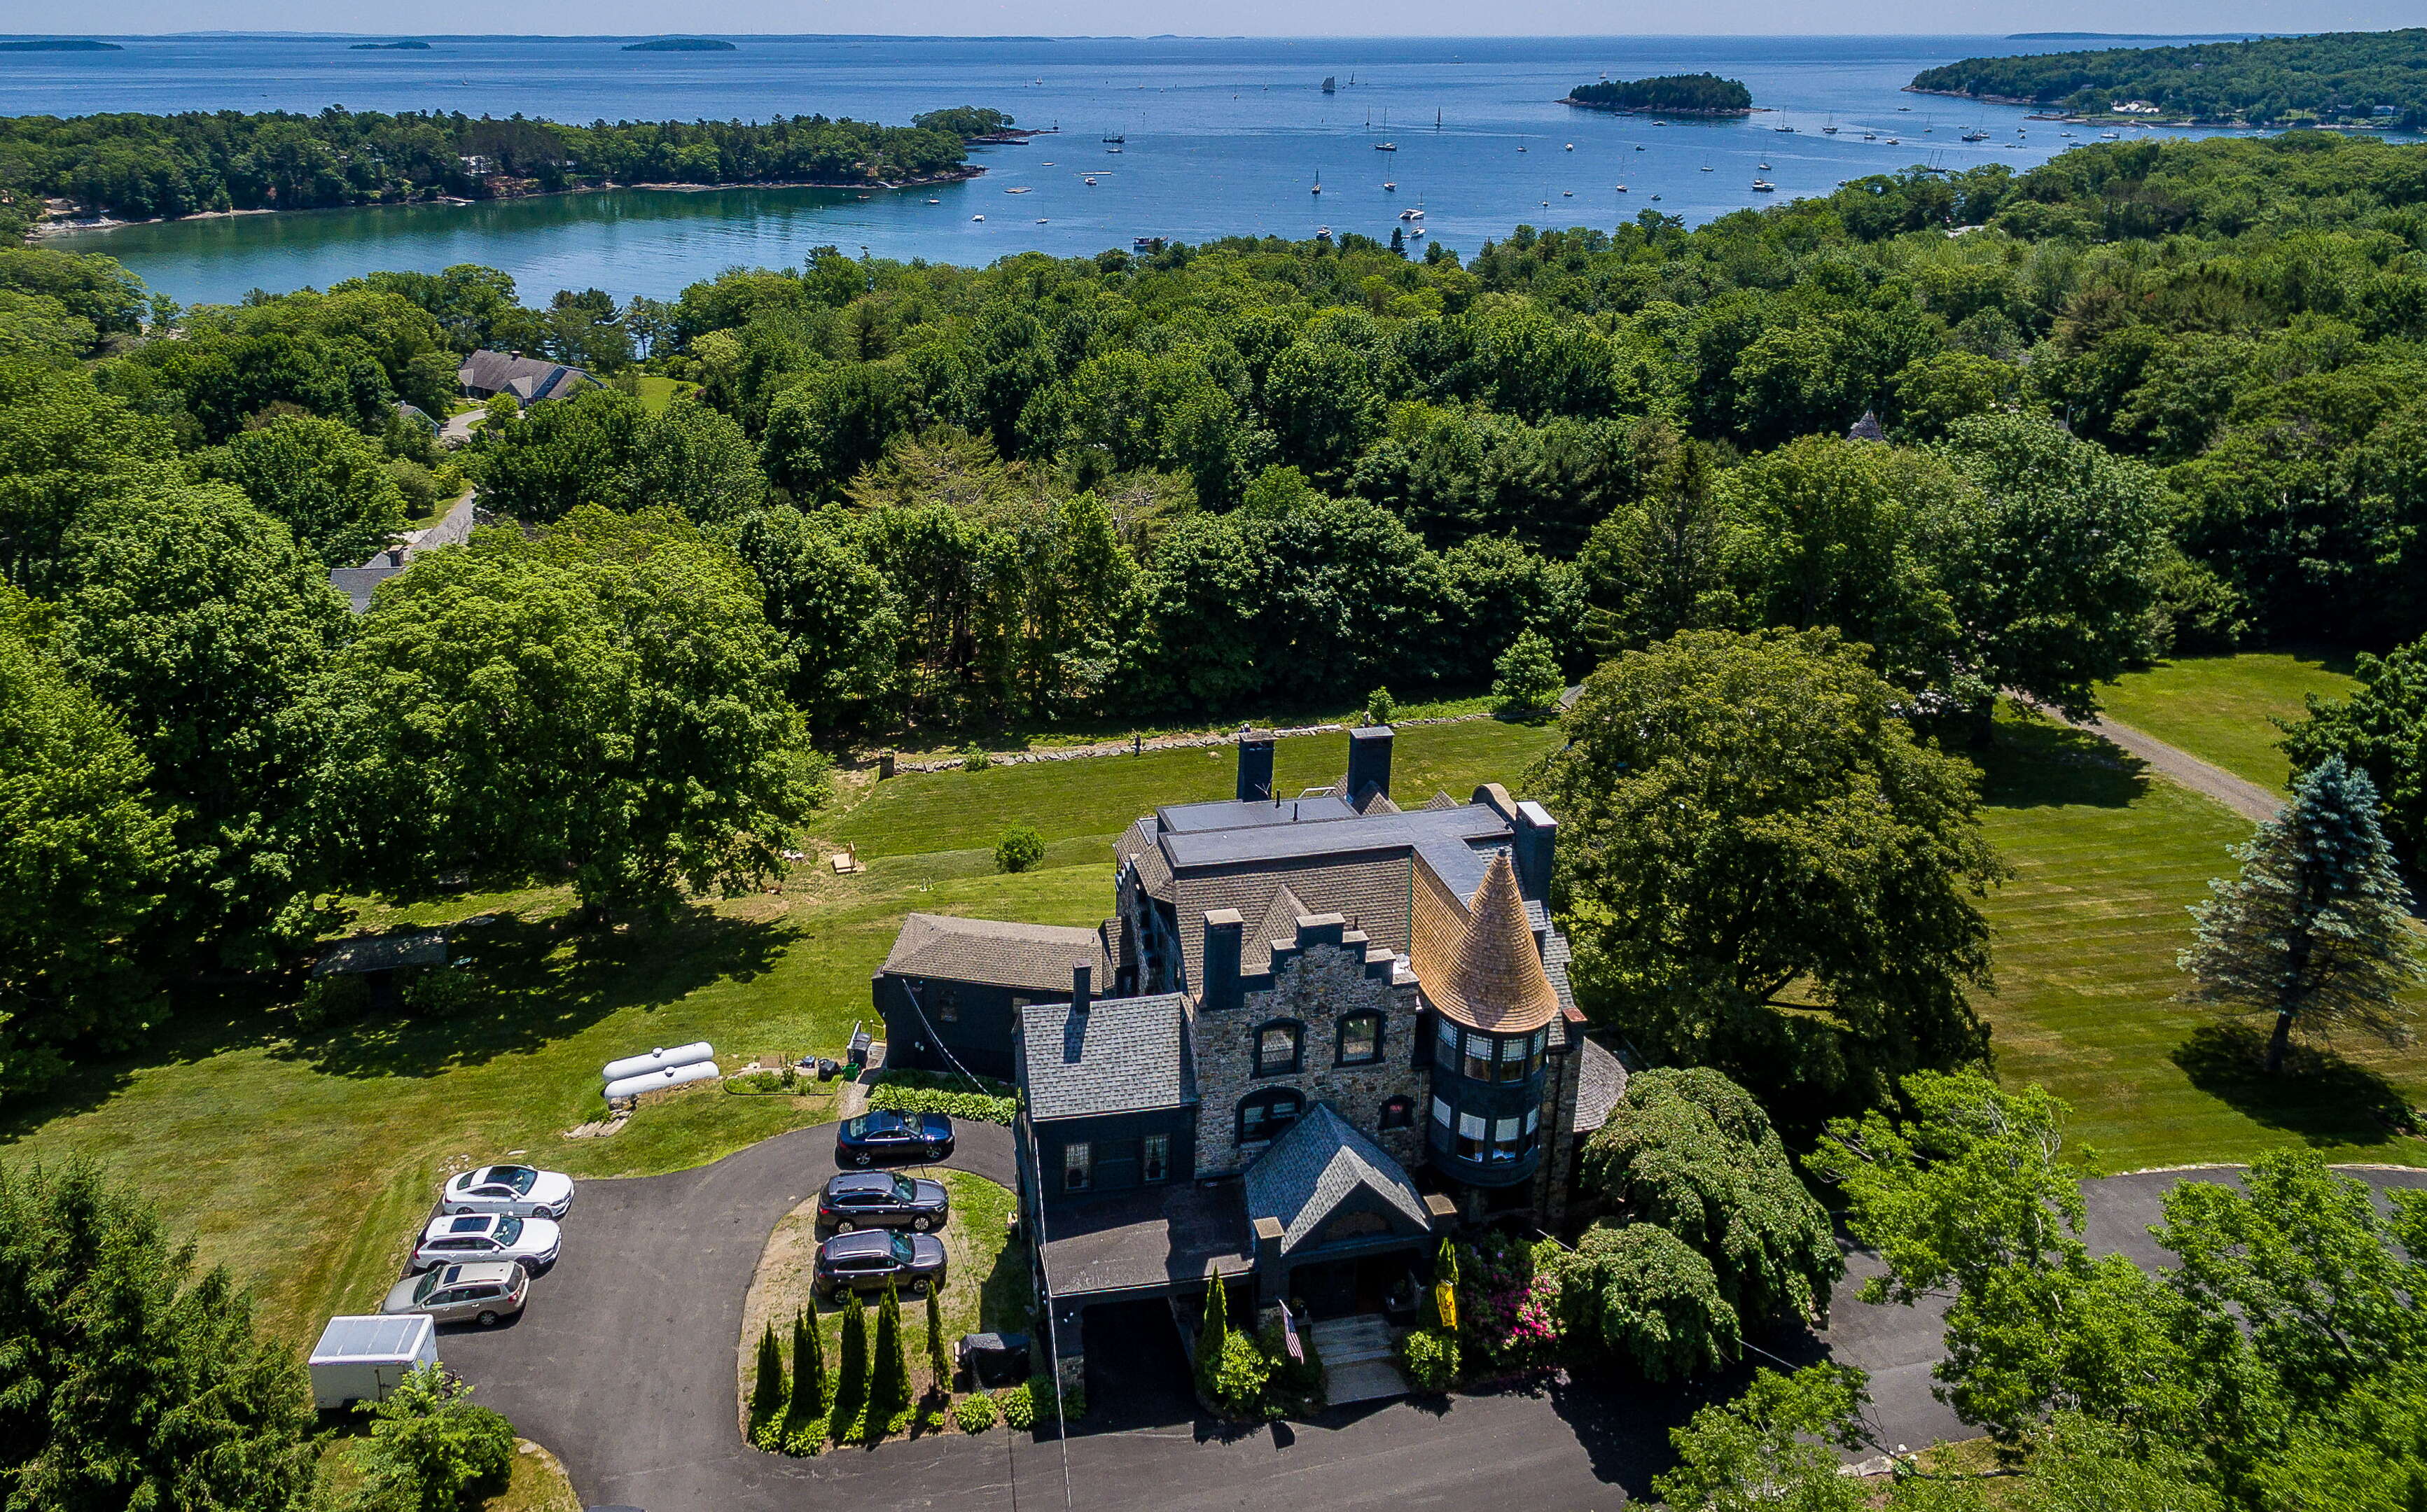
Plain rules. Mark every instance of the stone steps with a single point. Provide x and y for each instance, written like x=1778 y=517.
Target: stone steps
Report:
x=1352 y=1340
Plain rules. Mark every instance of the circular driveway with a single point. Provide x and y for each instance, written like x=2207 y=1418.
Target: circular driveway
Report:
x=623 y=1365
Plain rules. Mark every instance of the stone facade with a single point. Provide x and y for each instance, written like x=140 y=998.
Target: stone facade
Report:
x=1315 y=984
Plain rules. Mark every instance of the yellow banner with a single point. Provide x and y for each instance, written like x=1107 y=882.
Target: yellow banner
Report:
x=1445 y=1299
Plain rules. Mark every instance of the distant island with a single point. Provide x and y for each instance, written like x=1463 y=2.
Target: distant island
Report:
x=2352 y=79
x=680 y=44
x=60 y=44
x=2135 y=36
x=389 y=48
x=1676 y=94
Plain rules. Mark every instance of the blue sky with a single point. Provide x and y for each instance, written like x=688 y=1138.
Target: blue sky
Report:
x=1278 y=18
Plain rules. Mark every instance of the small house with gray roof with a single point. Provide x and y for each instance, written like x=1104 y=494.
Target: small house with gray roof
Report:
x=486 y=374
x=1318 y=1032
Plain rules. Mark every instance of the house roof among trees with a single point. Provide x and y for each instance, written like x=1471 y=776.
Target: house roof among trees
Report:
x=382 y=953
x=1034 y=956
x=529 y=379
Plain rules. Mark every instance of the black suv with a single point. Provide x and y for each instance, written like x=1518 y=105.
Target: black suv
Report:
x=881 y=1199
x=893 y=1136
x=865 y=1261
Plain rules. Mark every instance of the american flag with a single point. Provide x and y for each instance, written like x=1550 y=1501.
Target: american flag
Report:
x=1289 y=1335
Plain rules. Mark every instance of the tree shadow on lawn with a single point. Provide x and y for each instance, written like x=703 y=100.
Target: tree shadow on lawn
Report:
x=2322 y=1097
x=2038 y=764
x=545 y=980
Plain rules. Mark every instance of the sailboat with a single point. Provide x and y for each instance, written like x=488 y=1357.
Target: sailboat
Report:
x=1436 y=118
x=1386 y=147
x=1330 y=84
x=1831 y=129
x=1318 y=183
x=1975 y=133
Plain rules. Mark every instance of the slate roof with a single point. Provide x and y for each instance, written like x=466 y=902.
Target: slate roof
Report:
x=359 y=583
x=1035 y=956
x=1122 y=1055
x=529 y=379
x=1601 y=1080
x=1316 y=1165
x=382 y=953
x=1867 y=429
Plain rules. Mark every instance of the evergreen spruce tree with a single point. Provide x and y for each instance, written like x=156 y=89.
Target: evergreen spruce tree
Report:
x=889 y=1387
x=809 y=1366
x=767 y=1394
x=2315 y=928
x=851 y=1376
x=1210 y=1334
x=940 y=1363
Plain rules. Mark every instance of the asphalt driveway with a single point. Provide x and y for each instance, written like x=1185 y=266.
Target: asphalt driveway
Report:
x=623 y=1364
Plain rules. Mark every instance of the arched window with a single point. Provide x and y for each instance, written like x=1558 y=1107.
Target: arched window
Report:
x=1265 y=1114
x=1399 y=1112
x=1277 y=1047
x=1360 y=1039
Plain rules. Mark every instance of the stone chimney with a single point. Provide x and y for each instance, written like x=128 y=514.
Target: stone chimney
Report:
x=1081 y=986
x=1369 y=761
x=1225 y=928
x=1255 y=767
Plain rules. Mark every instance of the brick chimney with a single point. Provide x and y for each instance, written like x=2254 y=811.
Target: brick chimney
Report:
x=1369 y=761
x=1255 y=767
x=1225 y=928
x=1536 y=843
x=1081 y=986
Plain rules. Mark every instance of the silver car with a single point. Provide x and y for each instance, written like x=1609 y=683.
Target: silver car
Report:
x=489 y=1236
x=516 y=1188
x=478 y=1291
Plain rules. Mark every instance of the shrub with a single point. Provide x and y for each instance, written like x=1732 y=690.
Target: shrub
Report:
x=1020 y=849
x=804 y=1437
x=335 y=999
x=975 y=1107
x=441 y=992
x=431 y=1448
x=931 y=1420
x=1381 y=706
x=1647 y=1295
x=1019 y=1407
x=975 y=759
x=1430 y=1358
x=1295 y=1386
x=1527 y=682
x=975 y=1413
x=1240 y=1375
x=1509 y=1312
x=1213 y=1325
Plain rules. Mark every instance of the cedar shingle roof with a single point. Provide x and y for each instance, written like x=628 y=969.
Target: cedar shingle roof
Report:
x=1122 y=1055
x=1601 y=1080
x=1318 y=1165
x=1495 y=982
x=1034 y=956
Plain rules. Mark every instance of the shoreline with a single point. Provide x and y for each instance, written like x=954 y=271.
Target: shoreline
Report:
x=2049 y=111
x=958 y=176
x=1658 y=110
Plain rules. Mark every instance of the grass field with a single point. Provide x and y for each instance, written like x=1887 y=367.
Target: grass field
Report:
x=658 y=392
x=2219 y=708
x=238 y=1122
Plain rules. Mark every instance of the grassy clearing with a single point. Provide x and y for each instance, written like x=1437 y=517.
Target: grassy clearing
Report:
x=2108 y=861
x=930 y=744
x=657 y=392
x=2219 y=708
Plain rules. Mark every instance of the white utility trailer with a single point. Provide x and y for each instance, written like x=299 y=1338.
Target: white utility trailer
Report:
x=363 y=1360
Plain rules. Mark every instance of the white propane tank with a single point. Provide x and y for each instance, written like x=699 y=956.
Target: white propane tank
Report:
x=657 y=1061
x=658 y=1081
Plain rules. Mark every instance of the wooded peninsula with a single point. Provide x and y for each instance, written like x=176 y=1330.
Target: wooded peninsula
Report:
x=2336 y=78
x=1683 y=95
x=143 y=167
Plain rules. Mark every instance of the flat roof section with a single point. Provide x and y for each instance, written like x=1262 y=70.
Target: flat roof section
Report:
x=1148 y=1243
x=1229 y=814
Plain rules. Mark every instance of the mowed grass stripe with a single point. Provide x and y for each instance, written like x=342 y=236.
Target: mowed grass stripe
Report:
x=2221 y=709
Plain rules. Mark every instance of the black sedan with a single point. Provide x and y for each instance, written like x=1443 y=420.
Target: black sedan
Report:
x=873 y=1137
x=865 y=1261
x=882 y=1199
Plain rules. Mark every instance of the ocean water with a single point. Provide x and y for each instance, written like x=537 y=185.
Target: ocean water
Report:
x=1222 y=138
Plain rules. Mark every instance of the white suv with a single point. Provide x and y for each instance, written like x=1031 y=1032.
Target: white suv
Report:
x=488 y=1236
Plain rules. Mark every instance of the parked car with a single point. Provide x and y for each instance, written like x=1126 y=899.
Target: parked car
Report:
x=891 y=1136
x=478 y=1291
x=515 y=1188
x=882 y=1199
x=501 y=1236
x=864 y=1262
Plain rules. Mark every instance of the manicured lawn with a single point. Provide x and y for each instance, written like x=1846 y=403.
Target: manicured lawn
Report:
x=657 y=392
x=2108 y=862
x=2218 y=707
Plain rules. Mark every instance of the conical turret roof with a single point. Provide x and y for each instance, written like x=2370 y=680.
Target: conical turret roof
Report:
x=1496 y=983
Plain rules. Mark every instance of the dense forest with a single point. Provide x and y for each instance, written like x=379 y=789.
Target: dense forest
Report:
x=1702 y=94
x=2372 y=77
x=143 y=165
x=2154 y=395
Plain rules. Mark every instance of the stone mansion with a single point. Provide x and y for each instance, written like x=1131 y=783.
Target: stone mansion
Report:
x=1318 y=1032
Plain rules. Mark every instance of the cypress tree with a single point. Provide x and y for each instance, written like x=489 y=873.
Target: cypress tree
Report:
x=767 y=1395
x=889 y=1387
x=2315 y=928
x=809 y=1366
x=851 y=1376
x=1210 y=1334
x=938 y=1362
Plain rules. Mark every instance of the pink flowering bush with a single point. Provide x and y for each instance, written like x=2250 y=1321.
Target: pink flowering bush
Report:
x=1509 y=1316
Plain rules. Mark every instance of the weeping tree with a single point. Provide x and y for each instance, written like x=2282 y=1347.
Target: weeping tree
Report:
x=2315 y=930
